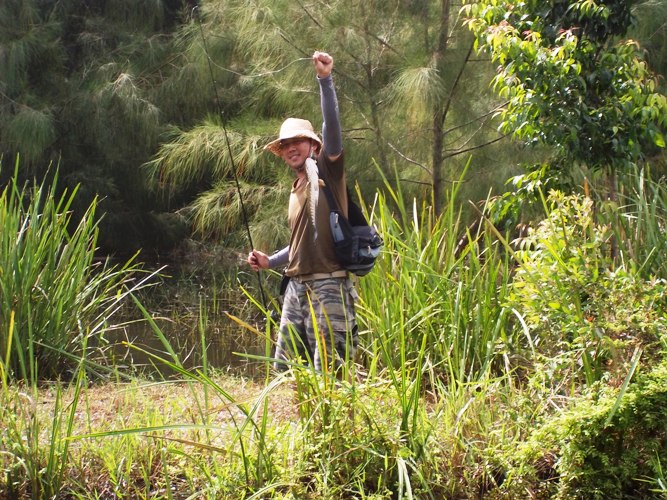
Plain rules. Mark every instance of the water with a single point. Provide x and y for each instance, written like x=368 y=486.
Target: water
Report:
x=188 y=299
x=227 y=344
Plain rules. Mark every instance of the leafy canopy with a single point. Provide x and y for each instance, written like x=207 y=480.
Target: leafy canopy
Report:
x=571 y=81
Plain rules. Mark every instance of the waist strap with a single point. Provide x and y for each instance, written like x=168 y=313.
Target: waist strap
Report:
x=319 y=276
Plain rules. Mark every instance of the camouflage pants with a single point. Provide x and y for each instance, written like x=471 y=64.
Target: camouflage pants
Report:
x=318 y=323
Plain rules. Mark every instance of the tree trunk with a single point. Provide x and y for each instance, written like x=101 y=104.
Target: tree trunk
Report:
x=373 y=100
x=440 y=112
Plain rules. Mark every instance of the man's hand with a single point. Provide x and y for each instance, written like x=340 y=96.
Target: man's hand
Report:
x=258 y=260
x=323 y=64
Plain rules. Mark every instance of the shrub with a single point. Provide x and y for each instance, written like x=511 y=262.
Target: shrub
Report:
x=609 y=444
x=583 y=315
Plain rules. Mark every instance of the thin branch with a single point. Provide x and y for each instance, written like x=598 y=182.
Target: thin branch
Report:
x=312 y=18
x=472 y=135
x=291 y=44
x=399 y=179
x=479 y=146
x=412 y=181
x=259 y=75
x=335 y=70
x=382 y=42
x=477 y=118
x=357 y=129
x=423 y=167
x=409 y=160
x=13 y=101
x=455 y=85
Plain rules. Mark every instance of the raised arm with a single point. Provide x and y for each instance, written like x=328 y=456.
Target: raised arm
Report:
x=331 y=132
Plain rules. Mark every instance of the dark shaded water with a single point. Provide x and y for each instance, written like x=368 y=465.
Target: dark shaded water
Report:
x=215 y=340
x=189 y=310
x=226 y=347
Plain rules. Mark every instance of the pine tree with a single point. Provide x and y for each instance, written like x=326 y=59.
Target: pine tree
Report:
x=80 y=91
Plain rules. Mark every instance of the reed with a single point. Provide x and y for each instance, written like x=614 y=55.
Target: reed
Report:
x=432 y=304
x=53 y=292
x=638 y=222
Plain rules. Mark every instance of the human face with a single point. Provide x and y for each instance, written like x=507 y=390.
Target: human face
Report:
x=295 y=152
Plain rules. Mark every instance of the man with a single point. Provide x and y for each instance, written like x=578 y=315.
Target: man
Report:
x=317 y=322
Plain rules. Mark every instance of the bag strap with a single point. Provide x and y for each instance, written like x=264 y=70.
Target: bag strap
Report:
x=354 y=214
x=333 y=206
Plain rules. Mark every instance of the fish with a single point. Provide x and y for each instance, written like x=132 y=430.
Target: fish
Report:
x=312 y=174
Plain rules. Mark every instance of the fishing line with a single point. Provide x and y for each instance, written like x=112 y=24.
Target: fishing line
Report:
x=266 y=73
x=229 y=149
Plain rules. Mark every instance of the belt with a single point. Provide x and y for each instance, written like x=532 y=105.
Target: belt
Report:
x=319 y=276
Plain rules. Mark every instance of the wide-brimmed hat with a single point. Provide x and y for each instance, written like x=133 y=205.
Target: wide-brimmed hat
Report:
x=291 y=129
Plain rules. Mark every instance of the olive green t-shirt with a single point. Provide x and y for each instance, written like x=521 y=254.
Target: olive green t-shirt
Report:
x=308 y=255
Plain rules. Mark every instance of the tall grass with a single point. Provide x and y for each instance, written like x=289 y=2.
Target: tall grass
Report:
x=55 y=298
x=428 y=307
x=432 y=323
x=36 y=456
x=55 y=303
x=639 y=222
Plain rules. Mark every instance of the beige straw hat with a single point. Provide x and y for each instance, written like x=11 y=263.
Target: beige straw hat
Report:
x=291 y=129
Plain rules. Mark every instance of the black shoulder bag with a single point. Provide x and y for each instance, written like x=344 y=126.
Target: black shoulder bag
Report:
x=356 y=243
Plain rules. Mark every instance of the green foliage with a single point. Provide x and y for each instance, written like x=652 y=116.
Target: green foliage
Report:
x=582 y=315
x=36 y=455
x=608 y=444
x=30 y=51
x=40 y=125
x=448 y=398
x=445 y=378
x=56 y=300
x=650 y=30
x=638 y=221
x=121 y=76
x=384 y=66
x=570 y=82
x=354 y=426
x=80 y=84
x=200 y=157
x=201 y=154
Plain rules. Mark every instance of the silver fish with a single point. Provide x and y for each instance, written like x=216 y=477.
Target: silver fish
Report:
x=313 y=190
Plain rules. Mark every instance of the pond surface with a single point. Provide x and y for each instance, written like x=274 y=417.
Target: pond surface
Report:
x=226 y=347
x=216 y=339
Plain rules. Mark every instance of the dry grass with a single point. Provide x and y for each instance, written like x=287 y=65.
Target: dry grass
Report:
x=103 y=405
x=124 y=436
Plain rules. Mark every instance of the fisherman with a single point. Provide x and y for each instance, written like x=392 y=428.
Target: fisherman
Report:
x=317 y=322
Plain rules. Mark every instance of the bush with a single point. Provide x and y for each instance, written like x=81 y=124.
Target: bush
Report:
x=583 y=314
x=610 y=444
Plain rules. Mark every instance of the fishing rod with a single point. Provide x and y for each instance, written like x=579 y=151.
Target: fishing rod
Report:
x=197 y=17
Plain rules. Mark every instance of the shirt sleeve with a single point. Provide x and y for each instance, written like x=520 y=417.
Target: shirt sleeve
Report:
x=331 y=133
x=279 y=258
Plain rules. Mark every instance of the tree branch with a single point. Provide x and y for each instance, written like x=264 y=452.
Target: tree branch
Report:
x=478 y=146
x=409 y=160
x=312 y=18
x=477 y=118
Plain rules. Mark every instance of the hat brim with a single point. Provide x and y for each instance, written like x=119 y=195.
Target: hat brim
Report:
x=274 y=146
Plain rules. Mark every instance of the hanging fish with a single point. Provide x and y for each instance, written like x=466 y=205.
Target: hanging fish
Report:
x=312 y=174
